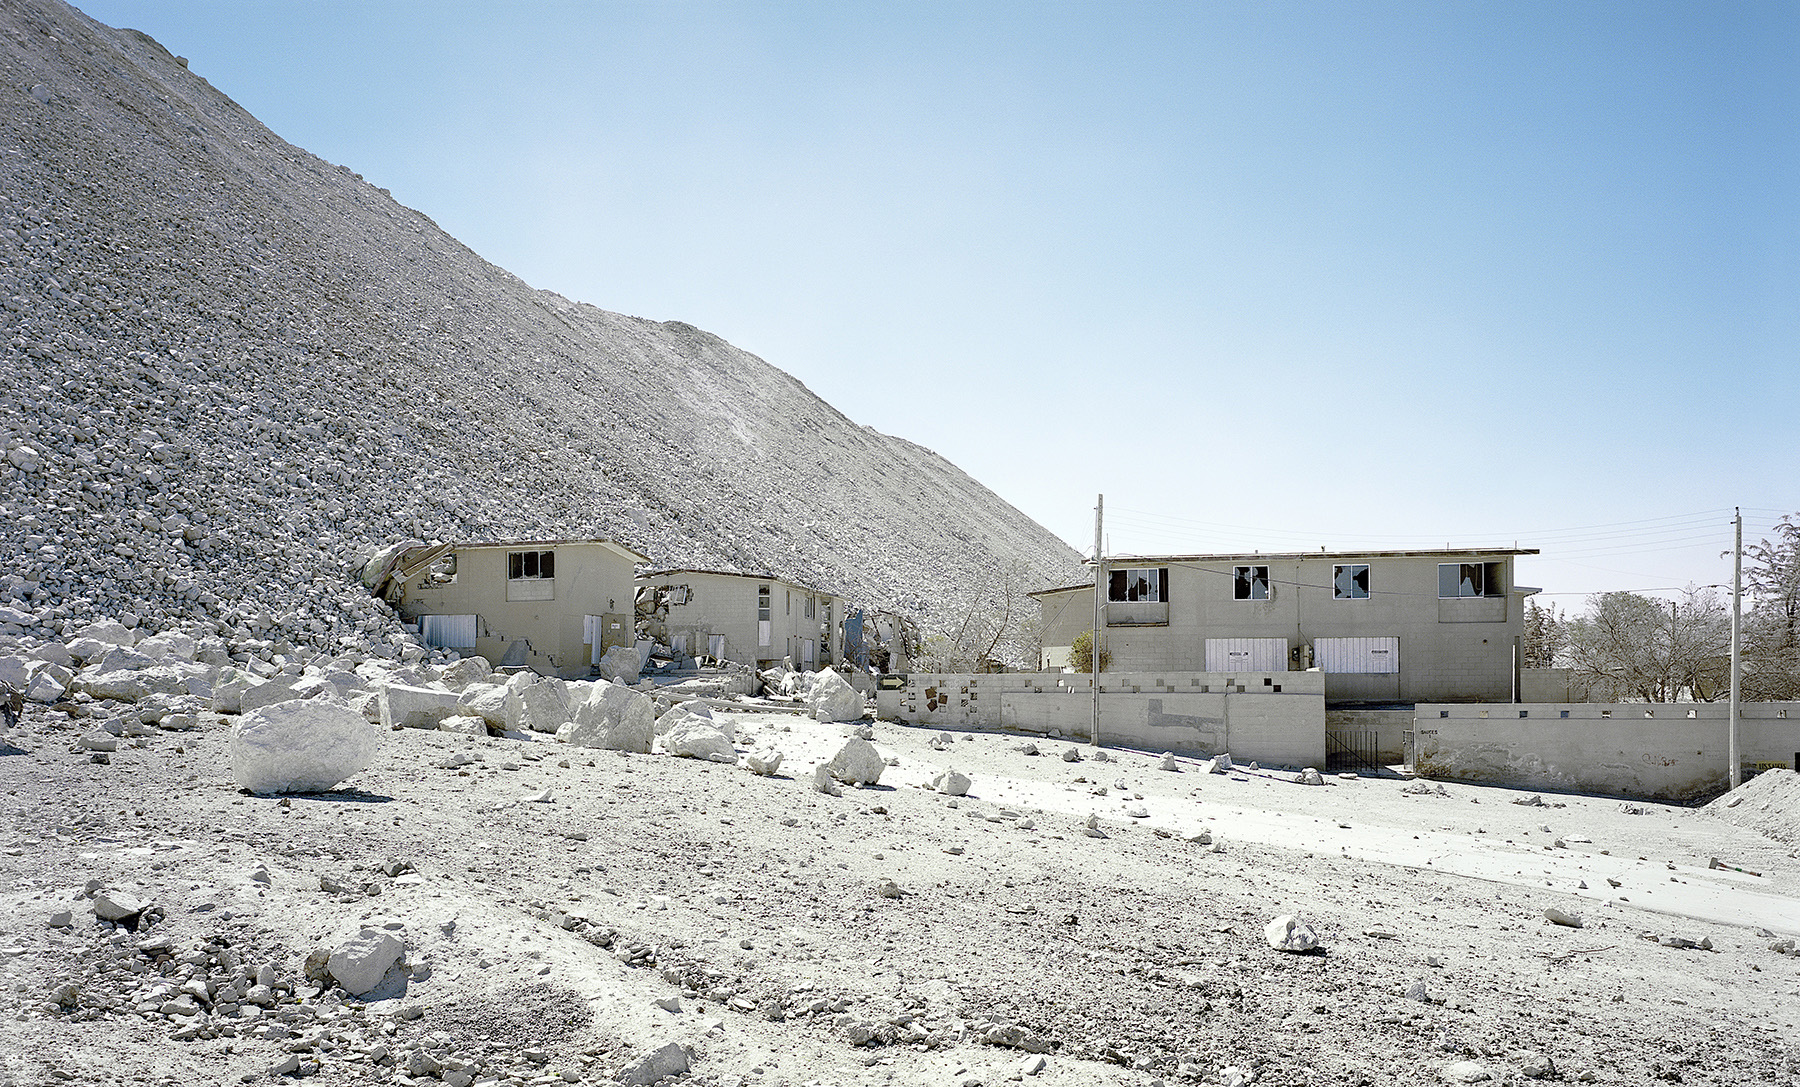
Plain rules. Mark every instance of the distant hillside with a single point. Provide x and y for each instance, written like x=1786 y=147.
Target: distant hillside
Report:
x=232 y=368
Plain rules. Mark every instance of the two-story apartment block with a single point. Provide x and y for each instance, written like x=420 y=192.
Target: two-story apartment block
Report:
x=1383 y=626
x=745 y=617
x=554 y=606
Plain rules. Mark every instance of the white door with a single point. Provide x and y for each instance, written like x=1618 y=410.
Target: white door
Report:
x=679 y=644
x=591 y=626
x=806 y=654
x=1246 y=655
x=1366 y=656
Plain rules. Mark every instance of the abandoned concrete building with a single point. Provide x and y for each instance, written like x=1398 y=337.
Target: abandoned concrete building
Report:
x=749 y=618
x=554 y=606
x=1384 y=627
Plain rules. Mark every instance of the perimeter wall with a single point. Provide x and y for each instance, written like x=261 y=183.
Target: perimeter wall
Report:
x=1673 y=751
x=1273 y=718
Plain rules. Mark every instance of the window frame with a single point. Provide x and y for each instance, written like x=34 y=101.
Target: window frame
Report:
x=1489 y=572
x=541 y=560
x=1244 y=580
x=1121 y=580
x=1337 y=590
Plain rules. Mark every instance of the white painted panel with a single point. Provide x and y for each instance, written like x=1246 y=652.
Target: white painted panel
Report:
x=678 y=642
x=448 y=631
x=1366 y=656
x=763 y=632
x=1246 y=655
x=715 y=646
x=592 y=632
x=806 y=654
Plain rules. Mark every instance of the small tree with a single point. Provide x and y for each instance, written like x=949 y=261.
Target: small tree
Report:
x=1545 y=636
x=1081 y=654
x=1772 y=624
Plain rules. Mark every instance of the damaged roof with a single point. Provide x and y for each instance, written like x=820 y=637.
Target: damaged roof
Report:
x=746 y=574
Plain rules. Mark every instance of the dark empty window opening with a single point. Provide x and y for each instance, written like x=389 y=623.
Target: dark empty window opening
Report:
x=530 y=565
x=1464 y=579
x=442 y=571
x=1250 y=583
x=1145 y=585
x=1350 y=581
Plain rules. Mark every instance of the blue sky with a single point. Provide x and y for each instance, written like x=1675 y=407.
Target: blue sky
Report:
x=1269 y=276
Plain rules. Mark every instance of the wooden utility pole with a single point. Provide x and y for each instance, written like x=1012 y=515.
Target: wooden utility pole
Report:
x=1094 y=641
x=1737 y=629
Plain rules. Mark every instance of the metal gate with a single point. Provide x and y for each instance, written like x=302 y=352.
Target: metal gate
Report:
x=1352 y=751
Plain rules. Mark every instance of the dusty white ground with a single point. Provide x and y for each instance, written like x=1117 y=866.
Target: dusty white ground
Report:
x=541 y=935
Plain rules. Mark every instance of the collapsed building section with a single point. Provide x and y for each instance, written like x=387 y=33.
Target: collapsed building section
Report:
x=553 y=606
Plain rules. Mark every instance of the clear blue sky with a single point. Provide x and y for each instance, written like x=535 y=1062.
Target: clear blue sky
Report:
x=1269 y=276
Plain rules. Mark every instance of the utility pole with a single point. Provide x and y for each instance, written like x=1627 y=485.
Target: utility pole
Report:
x=1094 y=642
x=1737 y=625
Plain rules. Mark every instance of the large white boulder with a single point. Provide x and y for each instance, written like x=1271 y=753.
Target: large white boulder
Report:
x=48 y=684
x=270 y=692
x=1286 y=933
x=130 y=684
x=683 y=712
x=170 y=644
x=415 y=707
x=614 y=717
x=833 y=699
x=697 y=738
x=459 y=674
x=541 y=704
x=621 y=664
x=952 y=783
x=486 y=701
x=110 y=631
x=358 y=964
x=857 y=763
x=300 y=747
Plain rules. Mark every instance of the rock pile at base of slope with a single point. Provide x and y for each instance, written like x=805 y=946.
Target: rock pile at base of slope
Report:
x=1768 y=803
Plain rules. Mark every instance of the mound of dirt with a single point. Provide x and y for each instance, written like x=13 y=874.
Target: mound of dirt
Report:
x=1768 y=803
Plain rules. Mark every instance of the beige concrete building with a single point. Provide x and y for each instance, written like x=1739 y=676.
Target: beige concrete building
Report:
x=1383 y=626
x=554 y=606
x=755 y=619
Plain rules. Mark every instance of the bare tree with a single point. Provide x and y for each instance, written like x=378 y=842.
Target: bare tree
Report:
x=1632 y=648
x=990 y=629
x=1772 y=627
x=1545 y=635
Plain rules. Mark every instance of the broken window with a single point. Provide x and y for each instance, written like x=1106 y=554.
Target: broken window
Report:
x=1350 y=581
x=1461 y=579
x=530 y=565
x=1149 y=585
x=442 y=571
x=1250 y=583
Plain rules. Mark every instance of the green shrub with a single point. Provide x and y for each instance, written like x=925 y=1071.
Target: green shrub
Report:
x=1081 y=654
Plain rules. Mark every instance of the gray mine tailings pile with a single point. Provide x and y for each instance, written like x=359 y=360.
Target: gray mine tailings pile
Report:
x=231 y=369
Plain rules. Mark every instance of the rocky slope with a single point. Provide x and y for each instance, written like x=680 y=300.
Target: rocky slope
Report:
x=231 y=369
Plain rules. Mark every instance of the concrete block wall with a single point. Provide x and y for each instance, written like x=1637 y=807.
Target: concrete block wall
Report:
x=1389 y=726
x=1275 y=718
x=1673 y=751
